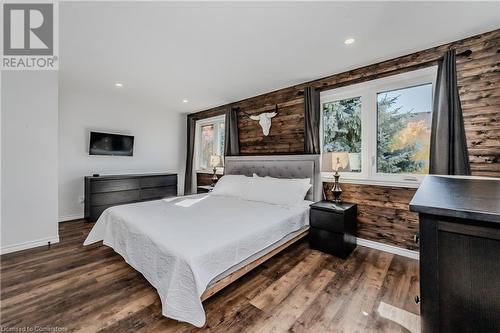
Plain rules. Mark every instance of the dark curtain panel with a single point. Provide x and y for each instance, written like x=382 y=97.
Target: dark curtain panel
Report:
x=188 y=179
x=231 y=139
x=311 y=119
x=448 y=150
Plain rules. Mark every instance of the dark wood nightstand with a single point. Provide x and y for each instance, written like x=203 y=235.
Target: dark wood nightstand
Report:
x=204 y=189
x=333 y=227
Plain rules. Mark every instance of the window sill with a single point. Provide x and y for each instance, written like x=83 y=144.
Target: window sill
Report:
x=376 y=182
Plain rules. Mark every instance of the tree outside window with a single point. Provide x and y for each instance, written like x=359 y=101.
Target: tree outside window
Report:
x=342 y=130
x=403 y=136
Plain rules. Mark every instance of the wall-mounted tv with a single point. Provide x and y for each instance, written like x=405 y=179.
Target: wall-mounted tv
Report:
x=111 y=144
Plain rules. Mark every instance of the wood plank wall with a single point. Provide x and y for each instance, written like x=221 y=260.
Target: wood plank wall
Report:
x=204 y=179
x=383 y=214
x=479 y=87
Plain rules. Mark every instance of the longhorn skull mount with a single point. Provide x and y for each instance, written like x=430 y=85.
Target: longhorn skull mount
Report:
x=264 y=119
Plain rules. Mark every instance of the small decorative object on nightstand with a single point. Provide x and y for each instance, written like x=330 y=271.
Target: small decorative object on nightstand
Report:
x=215 y=162
x=333 y=227
x=339 y=160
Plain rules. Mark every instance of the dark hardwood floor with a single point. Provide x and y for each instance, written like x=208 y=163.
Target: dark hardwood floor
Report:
x=91 y=289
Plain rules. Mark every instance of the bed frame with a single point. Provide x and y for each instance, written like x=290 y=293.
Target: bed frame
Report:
x=283 y=166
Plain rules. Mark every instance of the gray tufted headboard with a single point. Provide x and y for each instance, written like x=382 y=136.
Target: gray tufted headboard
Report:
x=279 y=166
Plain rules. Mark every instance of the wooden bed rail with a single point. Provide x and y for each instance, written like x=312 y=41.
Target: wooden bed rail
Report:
x=224 y=282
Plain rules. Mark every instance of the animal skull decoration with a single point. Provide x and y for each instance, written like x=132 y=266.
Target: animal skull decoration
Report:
x=264 y=121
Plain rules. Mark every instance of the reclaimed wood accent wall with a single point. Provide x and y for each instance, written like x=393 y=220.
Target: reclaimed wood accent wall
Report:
x=383 y=214
x=204 y=179
x=479 y=88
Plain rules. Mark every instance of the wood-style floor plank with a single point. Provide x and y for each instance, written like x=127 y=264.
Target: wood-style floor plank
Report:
x=91 y=289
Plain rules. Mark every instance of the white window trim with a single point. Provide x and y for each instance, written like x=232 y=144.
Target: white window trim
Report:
x=197 y=142
x=368 y=93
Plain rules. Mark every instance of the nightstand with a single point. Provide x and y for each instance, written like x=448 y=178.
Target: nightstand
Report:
x=204 y=189
x=333 y=227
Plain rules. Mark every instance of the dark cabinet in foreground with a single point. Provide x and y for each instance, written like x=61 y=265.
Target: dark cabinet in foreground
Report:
x=107 y=191
x=459 y=254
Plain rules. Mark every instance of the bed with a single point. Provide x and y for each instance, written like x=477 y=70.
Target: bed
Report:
x=189 y=248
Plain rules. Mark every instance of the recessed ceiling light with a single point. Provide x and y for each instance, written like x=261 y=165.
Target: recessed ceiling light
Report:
x=349 y=41
x=185 y=101
x=118 y=84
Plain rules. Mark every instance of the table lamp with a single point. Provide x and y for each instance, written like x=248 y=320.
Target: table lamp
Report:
x=215 y=162
x=339 y=161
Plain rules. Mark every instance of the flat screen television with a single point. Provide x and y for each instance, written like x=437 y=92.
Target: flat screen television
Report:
x=111 y=144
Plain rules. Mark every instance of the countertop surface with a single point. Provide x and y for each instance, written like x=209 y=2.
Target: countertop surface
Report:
x=476 y=199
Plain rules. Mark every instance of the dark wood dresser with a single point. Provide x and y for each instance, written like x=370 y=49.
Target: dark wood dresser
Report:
x=459 y=254
x=106 y=191
x=333 y=227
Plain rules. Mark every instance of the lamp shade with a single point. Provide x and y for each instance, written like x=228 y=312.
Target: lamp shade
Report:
x=340 y=161
x=215 y=161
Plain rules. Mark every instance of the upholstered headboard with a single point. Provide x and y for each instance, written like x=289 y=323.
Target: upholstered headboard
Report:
x=279 y=166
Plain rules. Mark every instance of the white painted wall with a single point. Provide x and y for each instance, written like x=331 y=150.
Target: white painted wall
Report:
x=159 y=145
x=29 y=159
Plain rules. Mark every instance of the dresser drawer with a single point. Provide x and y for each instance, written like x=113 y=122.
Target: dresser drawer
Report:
x=96 y=211
x=109 y=198
x=108 y=191
x=158 y=192
x=158 y=181
x=327 y=220
x=111 y=185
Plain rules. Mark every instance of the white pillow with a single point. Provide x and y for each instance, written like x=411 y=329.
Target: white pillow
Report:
x=232 y=185
x=284 y=192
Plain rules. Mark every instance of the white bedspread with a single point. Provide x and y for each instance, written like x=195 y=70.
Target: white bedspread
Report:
x=179 y=250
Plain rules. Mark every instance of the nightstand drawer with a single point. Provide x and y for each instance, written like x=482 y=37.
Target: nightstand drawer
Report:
x=204 y=189
x=325 y=220
x=329 y=242
x=340 y=245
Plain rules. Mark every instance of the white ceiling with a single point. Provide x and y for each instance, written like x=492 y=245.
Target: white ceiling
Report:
x=216 y=53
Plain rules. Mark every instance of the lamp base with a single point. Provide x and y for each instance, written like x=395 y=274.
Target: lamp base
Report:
x=336 y=190
x=214 y=178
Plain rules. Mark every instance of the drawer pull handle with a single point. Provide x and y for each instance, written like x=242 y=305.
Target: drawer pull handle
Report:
x=416 y=238
x=417 y=300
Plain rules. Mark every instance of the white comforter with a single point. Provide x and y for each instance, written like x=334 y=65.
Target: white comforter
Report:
x=180 y=250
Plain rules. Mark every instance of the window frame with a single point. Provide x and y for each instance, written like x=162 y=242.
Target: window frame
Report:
x=369 y=125
x=215 y=121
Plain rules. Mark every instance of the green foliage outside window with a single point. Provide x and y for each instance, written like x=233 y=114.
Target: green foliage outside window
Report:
x=394 y=125
x=342 y=126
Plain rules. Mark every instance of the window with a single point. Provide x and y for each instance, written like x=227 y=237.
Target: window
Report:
x=209 y=141
x=404 y=130
x=342 y=133
x=379 y=131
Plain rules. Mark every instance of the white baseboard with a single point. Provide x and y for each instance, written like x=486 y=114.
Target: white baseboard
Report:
x=388 y=248
x=70 y=217
x=29 y=244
